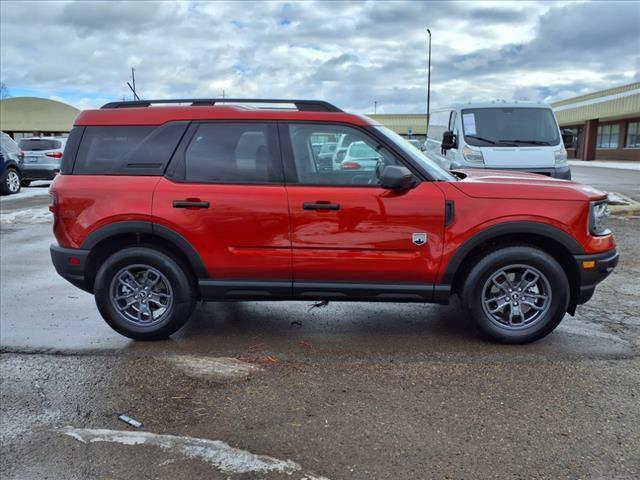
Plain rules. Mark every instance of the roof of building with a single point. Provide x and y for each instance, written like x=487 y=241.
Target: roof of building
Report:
x=32 y=114
x=609 y=104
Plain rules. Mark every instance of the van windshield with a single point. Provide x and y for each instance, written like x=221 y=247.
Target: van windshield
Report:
x=509 y=127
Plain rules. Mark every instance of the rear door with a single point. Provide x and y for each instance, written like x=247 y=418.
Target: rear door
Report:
x=347 y=230
x=224 y=193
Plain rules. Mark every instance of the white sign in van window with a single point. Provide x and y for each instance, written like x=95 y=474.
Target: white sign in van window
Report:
x=469 y=121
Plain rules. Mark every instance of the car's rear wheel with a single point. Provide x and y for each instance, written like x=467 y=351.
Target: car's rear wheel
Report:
x=10 y=182
x=144 y=294
x=516 y=294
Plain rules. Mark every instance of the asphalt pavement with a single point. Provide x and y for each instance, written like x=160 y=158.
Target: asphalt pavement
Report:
x=625 y=181
x=276 y=390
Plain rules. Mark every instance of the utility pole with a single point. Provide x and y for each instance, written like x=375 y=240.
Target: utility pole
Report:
x=223 y=93
x=375 y=107
x=133 y=87
x=429 y=85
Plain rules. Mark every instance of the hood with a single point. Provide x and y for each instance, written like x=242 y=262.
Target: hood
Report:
x=481 y=183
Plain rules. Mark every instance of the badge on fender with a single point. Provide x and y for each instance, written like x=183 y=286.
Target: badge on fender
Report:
x=419 y=238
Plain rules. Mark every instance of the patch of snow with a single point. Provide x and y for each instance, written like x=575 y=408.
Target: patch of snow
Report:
x=221 y=455
x=213 y=368
x=27 y=215
x=618 y=199
x=25 y=193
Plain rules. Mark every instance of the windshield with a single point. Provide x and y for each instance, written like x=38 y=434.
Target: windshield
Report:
x=434 y=170
x=508 y=127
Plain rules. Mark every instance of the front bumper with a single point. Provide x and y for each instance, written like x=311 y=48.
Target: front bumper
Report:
x=594 y=268
x=70 y=264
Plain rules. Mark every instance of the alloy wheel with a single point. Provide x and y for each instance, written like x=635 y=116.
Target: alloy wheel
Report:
x=516 y=296
x=13 y=181
x=141 y=295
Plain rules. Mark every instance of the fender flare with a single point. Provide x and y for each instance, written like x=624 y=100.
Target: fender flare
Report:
x=149 y=228
x=518 y=227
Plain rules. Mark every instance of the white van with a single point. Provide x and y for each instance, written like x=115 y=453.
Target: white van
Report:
x=505 y=136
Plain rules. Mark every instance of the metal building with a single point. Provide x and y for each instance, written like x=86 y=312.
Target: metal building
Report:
x=29 y=116
x=407 y=125
x=605 y=125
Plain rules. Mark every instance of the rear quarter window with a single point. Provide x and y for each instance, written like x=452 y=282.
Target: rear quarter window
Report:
x=127 y=150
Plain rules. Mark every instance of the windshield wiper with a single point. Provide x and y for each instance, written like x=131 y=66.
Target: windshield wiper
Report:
x=530 y=142
x=481 y=139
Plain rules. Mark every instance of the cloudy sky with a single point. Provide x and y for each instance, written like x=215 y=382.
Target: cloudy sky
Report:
x=351 y=53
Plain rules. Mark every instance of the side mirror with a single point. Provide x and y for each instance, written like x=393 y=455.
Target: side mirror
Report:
x=395 y=177
x=567 y=139
x=448 y=140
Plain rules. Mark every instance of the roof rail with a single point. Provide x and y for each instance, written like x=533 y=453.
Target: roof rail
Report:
x=301 y=105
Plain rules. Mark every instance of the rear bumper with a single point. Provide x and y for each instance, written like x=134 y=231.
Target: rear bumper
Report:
x=603 y=265
x=70 y=264
x=40 y=172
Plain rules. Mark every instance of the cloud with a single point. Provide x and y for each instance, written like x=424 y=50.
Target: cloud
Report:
x=349 y=53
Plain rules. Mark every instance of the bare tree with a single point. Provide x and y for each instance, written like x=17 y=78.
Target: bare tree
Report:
x=4 y=91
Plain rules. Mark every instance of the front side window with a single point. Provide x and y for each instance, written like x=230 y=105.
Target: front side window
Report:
x=633 y=135
x=233 y=153
x=509 y=127
x=608 y=136
x=356 y=158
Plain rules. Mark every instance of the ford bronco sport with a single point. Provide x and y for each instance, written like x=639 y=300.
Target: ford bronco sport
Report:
x=157 y=207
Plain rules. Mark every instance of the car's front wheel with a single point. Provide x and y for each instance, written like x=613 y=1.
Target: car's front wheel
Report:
x=516 y=294
x=144 y=294
x=10 y=182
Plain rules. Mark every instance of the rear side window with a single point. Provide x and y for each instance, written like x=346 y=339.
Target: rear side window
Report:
x=39 y=144
x=127 y=150
x=234 y=153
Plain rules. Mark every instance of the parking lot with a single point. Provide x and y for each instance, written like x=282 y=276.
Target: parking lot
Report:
x=296 y=390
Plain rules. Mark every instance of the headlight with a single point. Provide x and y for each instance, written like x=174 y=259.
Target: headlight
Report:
x=472 y=156
x=561 y=156
x=598 y=218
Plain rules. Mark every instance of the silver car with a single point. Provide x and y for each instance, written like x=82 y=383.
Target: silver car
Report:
x=360 y=156
x=42 y=156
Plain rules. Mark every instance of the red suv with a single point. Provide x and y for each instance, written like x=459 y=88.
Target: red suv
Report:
x=157 y=207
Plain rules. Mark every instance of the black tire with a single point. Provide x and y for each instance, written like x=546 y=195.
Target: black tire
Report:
x=8 y=183
x=25 y=183
x=181 y=286
x=479 y=283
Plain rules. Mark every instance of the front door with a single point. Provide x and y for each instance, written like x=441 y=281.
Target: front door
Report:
x=345 y=228
x=225 y=195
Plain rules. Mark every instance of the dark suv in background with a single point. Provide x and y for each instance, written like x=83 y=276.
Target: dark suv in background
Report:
x=11 y=160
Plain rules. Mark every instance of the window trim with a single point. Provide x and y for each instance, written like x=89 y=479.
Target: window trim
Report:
x=626 y=135
x=290 y=171
x=176 y=170
x=610 y=125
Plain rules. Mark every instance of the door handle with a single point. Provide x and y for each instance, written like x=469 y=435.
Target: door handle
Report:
x=190 y=204
x=321 y=206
